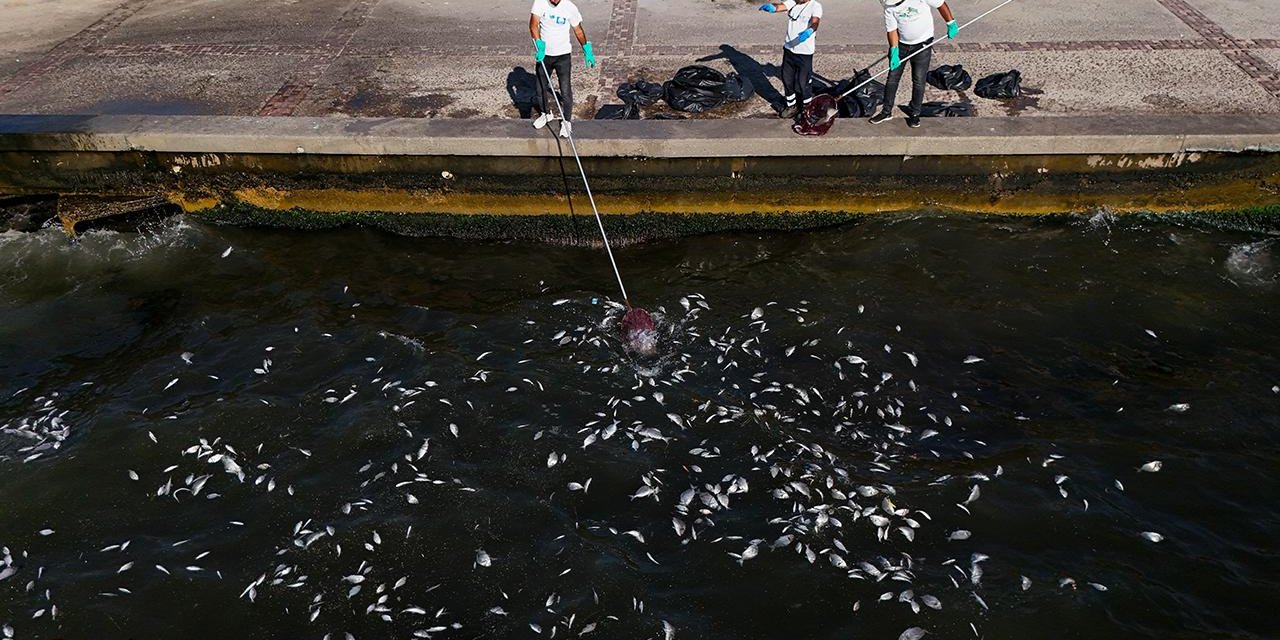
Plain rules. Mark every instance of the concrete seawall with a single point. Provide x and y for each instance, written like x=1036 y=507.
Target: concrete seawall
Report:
x=276 y=168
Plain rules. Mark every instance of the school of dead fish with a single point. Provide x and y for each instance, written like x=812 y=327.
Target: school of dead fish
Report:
x=821 y=472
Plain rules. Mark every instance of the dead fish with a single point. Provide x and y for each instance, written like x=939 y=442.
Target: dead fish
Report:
x=1152 y=536
x=914 y=633
x=972 y=360
x=1152 y=467
x=1181 y=407
x=483 y=559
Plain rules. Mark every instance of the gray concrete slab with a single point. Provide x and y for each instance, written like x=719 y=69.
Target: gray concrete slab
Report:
x=1079 y=20
x=38 y=25
x=197 y=85
x=737 y=22
x=29 y=28
x=462 y=25
x=1243 y=18
x=1073 y=135
x=279 y=22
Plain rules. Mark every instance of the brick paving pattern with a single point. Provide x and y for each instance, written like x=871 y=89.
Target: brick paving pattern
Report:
x=295 y=90
x=1237 y=51
x=71 y=48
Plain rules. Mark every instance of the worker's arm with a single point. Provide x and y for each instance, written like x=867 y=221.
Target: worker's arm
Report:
x=894 y=60
x=813 y=23
x=539 y=45
x=952 y=27
x=587 y=53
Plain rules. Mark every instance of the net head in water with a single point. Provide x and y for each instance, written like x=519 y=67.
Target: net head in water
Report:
x=638 y=332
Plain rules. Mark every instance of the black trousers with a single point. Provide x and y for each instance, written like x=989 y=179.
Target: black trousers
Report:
x=562 y=66
x=796 y=69
x=919 y=69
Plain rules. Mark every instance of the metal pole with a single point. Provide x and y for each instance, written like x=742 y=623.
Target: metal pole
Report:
x=555 y=97
x=922 y=50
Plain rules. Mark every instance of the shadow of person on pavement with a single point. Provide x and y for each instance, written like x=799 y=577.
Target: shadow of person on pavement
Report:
x=522 y=87
x=757 y=73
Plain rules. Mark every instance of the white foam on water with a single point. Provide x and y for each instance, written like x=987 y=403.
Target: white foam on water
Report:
x=1252 y=263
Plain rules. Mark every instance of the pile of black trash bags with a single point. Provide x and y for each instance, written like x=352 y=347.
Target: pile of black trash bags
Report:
x=867 y=99
x=997 y=86
x=694 y=89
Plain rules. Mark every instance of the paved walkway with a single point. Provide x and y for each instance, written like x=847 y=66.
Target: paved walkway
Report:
x=457 y=59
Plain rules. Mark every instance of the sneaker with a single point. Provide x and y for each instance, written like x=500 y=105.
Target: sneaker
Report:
x=790 y=112
x=913 y=122
x=542 y=120
x=566 y=129
x=883 y=116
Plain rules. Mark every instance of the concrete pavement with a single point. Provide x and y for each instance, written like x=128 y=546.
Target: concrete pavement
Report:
x=456 y=60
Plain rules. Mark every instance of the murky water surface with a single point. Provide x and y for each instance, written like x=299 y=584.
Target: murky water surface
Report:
x=935 y=423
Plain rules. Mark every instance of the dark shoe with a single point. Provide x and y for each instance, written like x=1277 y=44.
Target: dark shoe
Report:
x=913 y=122
x=883 y=116
x=790 y=112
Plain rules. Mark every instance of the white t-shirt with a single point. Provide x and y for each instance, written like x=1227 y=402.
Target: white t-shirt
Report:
x=555 y=22
x=912 y=19
x=798 y=16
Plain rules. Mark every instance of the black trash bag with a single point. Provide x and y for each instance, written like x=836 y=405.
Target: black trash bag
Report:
x=618 y=112
x=641 y=92
x=950 y=76
x=1000 y=86
x=737 y=88
x=946 y=110
x=864 y=102
x=662 y=115
x=695 y=89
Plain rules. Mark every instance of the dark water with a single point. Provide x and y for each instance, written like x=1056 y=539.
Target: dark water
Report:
x=320 y=363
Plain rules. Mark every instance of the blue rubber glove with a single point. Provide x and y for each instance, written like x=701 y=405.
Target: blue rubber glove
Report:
x=804 y=35
x=768 y=8
x=894 y=60
x=589 y=55
x=539 y=50
x=952 y=29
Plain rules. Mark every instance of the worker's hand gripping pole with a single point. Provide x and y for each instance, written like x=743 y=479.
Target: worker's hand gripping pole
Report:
x=922 y=50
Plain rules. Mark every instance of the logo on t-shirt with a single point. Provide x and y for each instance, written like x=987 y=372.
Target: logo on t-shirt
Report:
x=907 y=14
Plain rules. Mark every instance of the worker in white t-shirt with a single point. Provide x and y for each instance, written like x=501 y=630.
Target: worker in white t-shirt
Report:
x=803 y=18
x=909 y=24
x=549 y=23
